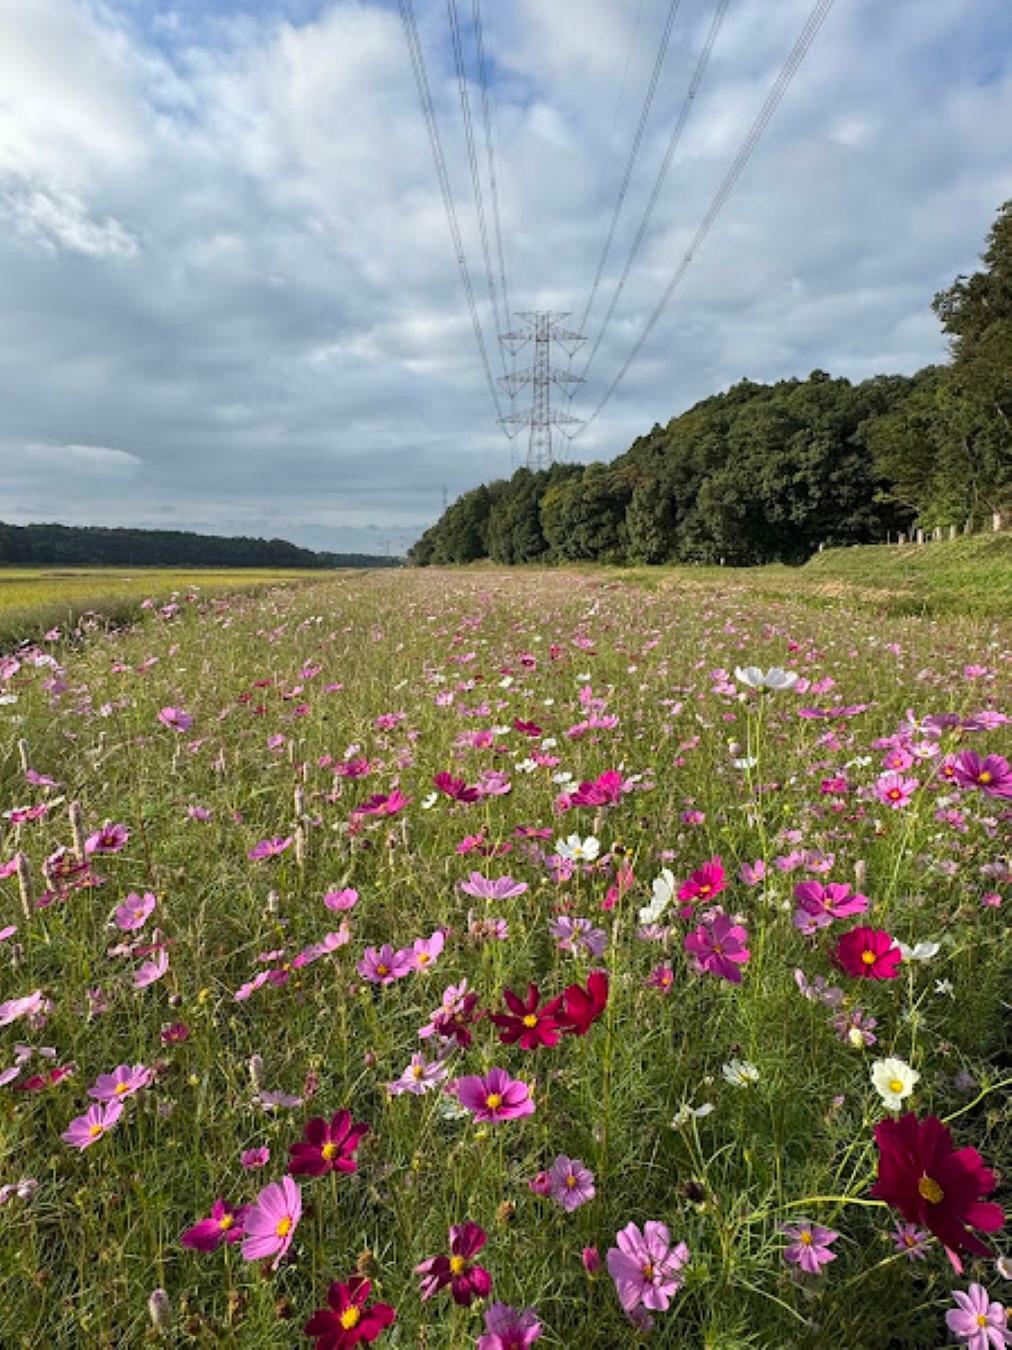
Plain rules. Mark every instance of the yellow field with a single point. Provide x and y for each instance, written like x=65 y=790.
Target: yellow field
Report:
x=33 y=599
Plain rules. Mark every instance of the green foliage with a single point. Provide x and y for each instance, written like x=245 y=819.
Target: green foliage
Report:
x=768 y=473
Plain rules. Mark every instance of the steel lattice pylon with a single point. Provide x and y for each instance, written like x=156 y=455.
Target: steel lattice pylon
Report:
x=542 y=327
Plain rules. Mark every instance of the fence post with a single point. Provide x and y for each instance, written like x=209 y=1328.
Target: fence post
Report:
x=920 y=536
x=996 y=522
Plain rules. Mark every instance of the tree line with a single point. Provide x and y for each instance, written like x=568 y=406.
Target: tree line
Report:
x=94 y=545
x=767 y=473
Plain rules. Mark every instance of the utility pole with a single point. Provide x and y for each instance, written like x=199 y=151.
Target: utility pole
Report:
x=542 y=328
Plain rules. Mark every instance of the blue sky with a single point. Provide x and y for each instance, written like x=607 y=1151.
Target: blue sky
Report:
x=230 y=298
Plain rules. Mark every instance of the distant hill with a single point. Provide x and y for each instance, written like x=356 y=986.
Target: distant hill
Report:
x=95 y=545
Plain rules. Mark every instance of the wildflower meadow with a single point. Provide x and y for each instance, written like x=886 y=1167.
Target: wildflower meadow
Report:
x=448 y=959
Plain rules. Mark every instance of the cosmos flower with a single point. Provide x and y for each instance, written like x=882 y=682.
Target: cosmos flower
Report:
x=269 y=848
x=893 y=1080
x=499 y=888
x=645 y=1266
x=384 y=966
x=134 y=912
x=705 y=883
x=809 y=1246
x=86 y=1130
x=467 y=1281
x=419 y=1077
x=225 y=1224
x=867 y=954
x=584 y=1006
x=570 y=1183
x=978 y=1320
x=124 y=1081
x=175 y=718
x=271 y=1222
x=109 y=839
x=577 y=850
x=350 y=1318
x=773 y=679
x=526 y=1024
x=508 y=1328
x=719 y=947
x=894 y=790
x=327 y=1147
x=495 y=1096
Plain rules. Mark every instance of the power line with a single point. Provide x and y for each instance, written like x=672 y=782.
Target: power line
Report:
x=490 y=156
x=662 y=173
x=472 y=157
x=429 y=113
x=634 y=151
x=773 y=98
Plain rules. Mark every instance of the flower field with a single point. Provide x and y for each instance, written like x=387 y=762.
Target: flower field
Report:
x=502 y=959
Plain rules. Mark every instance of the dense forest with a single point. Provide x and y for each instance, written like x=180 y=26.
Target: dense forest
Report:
x=767 y=473
x=93 y=545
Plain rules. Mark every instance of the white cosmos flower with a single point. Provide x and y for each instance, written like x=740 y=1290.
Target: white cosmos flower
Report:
x=774 y=678
x=526 y=765
x=686 y=1113
x=923 y=951
x=893 y=1080
x=427 y=803
x=506 y=681
x=562 y=778
x=575 y=849
x=740 y=1073
x=663 y=890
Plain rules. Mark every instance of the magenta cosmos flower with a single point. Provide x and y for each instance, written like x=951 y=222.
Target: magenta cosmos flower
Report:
x=526 y=1024
x=809 y=1245
x=175 y=718
x=824 y=903
x=466 y=1280
x=570 y=1183
x=271 y=1222
x=225 y=1224
x=350 y=1317
x=109 y=839
x=327 y=1147
x=134 y=911
x=867 y=953
x=978 y=1320
x=86 y=1130
x=894 y=790
x=495 y=1096
x=645 y=1267
x=718 y=947
x=269 y=848
x=705 y=883
x=384 y=966
x=992 y=775
x=124 y=1081
x=509 y=1328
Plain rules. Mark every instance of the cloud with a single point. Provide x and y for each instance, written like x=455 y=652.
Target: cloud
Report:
x=224 y=247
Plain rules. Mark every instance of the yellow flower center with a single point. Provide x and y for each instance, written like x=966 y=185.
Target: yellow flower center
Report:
x=493 y=1101
x=382 y=970
x=705 y=889
x=225 y=1222
x=350 y=1318
x=806 y=1239
x=929 y=1189
x=328 y=1151
x=985 y=777
x=423 y=957
x=457 y=1265
x=896 y=1085
x=284 y=1227
x=95 y=1130
x=417 y=1071
x=868 y=958
x=647 y=1270
x=894 y=794
x=570 y=1181
x=981 y=1320
x=121 y=1088
x=530 y=1020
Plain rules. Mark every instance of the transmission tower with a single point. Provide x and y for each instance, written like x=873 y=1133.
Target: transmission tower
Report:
x=542 y=328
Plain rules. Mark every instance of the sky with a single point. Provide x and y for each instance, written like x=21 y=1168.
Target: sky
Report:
x=228 y=296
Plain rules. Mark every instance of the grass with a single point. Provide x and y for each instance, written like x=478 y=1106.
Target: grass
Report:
x=36 y=599
x=396 y=677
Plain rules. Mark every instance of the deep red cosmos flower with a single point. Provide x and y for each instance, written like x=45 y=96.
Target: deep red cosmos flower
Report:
x=466 y=1280
x=327 y=1148
x=525 y=1023
x=455 y=788
x=867 y=953
x=584 y=1006
x=932 y=1183
x=348 y=1320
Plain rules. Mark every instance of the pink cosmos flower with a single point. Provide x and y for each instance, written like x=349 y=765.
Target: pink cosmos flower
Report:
x=384 y=966
x=819 y=905
x=271 y=1222
x=992 y=775
x=809 y=1247
x=32 y=1006
x=86 y=1130
x=133 y=913
x=455 y=788
x=978 y=1320
x=718 y=947
x=340 y=900
x=253 y=1158
x=645 y=1267
x=150 y=971
x=426 y=950
x=752 y=873
x=571 y=1184
x=575 y=935
x=225 y=1224
x=509 y=1328
x=175 y=718
x=911 y=1240
x=895 y=790
x=705 y=883
x=662 y=977
x=124 y=1081
x=269 y=848
x=495 y=1096
x=109 y=839
x=499 y=888
x=419 y=1077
